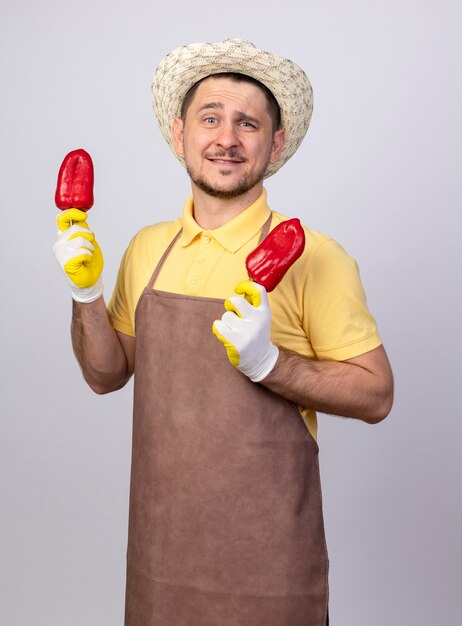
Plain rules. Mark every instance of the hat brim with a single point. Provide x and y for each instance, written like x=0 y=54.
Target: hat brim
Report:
x=185 y=66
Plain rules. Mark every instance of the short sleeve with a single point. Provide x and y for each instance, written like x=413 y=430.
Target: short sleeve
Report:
x=119 y=309
x=338 y=321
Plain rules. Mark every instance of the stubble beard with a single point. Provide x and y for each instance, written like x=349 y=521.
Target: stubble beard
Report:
x=245 y=184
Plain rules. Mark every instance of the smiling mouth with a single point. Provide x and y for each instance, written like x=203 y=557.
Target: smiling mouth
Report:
x=226 y=161
x=222 y=159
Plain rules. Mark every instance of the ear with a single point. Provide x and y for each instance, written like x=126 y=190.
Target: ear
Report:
x=279 y=141
x=177 y=135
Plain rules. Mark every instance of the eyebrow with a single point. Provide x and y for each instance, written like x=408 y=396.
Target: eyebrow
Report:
x=211 y=105
x=219 y=105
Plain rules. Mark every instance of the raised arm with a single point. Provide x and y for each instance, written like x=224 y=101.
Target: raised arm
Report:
x=105 y=356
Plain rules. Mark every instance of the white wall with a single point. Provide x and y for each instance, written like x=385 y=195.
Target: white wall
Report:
x=379 y=171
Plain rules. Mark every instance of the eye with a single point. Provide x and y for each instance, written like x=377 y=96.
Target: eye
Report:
x=210 y=119
x=246 y=124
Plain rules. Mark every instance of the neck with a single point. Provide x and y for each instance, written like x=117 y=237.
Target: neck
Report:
x=212 y=213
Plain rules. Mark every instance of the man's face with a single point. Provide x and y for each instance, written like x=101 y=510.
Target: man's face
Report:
x=227 y=137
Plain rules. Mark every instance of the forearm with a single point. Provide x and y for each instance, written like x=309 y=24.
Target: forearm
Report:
x=348 y=389
x=97 y=347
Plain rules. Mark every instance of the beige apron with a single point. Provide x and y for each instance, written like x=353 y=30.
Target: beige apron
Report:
x=226 y=525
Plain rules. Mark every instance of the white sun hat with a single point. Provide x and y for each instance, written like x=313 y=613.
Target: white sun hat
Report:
x=185 y=66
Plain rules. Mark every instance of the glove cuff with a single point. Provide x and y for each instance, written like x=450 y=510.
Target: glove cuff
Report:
x=88 y=294
x=265 y=366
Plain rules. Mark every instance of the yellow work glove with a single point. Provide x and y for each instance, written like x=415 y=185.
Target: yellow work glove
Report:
x=244 y=330
x=79 y=255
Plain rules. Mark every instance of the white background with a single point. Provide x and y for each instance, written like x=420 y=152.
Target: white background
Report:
x=379 y=171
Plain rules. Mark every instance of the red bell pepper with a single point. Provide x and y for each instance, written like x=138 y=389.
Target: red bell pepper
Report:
x=74 y=189
x=268 y=263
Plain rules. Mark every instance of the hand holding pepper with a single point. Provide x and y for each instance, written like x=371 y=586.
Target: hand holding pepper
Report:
x=244 y=330
x=79 y=255
x=76 y=248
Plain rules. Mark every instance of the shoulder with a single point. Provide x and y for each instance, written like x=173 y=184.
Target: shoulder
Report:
x=157 y=232
x=153 y=238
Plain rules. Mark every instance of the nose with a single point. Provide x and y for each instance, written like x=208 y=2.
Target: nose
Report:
x=227 y=136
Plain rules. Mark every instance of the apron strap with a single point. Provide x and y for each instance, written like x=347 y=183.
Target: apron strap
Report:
x=265 y=229
x=155 y=274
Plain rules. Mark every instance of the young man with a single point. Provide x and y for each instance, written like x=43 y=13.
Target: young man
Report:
x=225 y=508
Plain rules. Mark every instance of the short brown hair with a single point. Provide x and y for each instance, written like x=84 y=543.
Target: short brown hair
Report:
x=273 y=107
